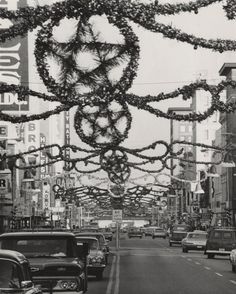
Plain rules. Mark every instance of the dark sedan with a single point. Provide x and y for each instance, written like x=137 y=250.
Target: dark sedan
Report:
x=15 y=275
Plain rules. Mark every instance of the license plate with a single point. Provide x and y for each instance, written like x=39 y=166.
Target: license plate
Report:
x=221 y=249
x=199 y=246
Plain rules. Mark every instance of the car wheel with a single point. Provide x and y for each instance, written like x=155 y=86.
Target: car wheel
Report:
x=140 y=237
x=153 y=237
x=99 y=276
x=185 y=250
x=233 y=268
x=210 y=255
x=164 y=237
x=170 y=244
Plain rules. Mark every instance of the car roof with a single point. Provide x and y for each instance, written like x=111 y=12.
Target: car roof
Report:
x=198 y=232
x=86 y=237
x=89 y=233
x=14 y=255
x=35 y=233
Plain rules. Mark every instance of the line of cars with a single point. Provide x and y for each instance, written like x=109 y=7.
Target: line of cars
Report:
x=51 y=261
x=217 y=241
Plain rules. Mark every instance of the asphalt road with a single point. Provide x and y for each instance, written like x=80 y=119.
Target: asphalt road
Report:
x=152 y=267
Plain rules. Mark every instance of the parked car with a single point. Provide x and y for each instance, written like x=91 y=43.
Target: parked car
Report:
x=178 y=233
x=159 y=233
x=15 y=275
x=96 y=258
x=135 y=233
x=54 y=259
x=103 y=244
x=195 y=240
x=221 y=241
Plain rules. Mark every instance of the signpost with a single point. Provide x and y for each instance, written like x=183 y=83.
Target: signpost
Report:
x=117 y=217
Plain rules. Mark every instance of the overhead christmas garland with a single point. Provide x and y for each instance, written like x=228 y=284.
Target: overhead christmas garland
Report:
x=103 y=118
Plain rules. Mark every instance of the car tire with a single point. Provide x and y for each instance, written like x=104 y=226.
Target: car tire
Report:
x=99 y=276
x=210 y=255
x=170 y=244
x=185 y=250
x=233 y=268
x=153 y=237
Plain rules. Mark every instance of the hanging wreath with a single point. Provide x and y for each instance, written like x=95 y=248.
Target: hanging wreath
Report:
x=73 y=77
x=103 y=124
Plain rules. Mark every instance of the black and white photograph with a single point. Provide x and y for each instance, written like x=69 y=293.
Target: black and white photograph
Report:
x=118 y=146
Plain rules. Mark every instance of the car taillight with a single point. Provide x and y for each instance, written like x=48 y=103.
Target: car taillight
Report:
x=68 y=284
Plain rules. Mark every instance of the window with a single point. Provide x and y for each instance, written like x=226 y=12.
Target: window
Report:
x=217 y=235
x=182 y=128
x=227 y=235
x=9 y=275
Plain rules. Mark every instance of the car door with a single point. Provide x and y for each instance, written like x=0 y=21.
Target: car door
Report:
x=228 y=240
x=215 y=241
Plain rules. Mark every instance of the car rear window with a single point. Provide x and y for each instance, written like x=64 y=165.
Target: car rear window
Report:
x=40 y=246
x=227 y=235
x=217 y=235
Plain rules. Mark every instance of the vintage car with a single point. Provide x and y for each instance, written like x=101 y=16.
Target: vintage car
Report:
x=159 y=233
x=195 y=240
x=221 y=241
x=54 y=258
x=178 y=233
x=15 y=275
x=96 y=259
x=135 y=233
x=101 y=239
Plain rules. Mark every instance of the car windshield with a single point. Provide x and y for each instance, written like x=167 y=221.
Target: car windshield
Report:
x=197 y=236
x=93 y=244
x=40 y=246
x=9 y=275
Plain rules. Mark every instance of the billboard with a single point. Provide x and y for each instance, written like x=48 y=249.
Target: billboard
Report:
x=13 y=62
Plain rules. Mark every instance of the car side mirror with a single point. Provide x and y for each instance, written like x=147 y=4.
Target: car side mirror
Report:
x=27 y=284
x=82 y=249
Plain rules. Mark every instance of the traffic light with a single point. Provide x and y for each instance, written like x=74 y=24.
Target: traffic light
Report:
x=228 y=216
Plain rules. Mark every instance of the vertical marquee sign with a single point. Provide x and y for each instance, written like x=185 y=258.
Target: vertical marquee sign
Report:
x=67 y=138
x=13 y=62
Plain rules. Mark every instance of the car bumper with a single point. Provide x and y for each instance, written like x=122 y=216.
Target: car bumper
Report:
x=217 y=252
x=175 y=241
x=94 y=269
x=51 y=282
x=159 y=236
x=194 y=247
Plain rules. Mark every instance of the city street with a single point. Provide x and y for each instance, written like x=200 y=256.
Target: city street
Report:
x=151 y=266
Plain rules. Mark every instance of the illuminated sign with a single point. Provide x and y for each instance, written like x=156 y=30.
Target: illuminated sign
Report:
x=67 y=137
x=13 y=62
x=43 y=157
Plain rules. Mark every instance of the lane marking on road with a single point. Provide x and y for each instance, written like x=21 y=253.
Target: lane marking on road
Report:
x=189 y=259
x=110 y=283
x=233 y=282
x=207 y=268
x=183 y=256
x=197 y=263
x=218 y=274
x=117 y=281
